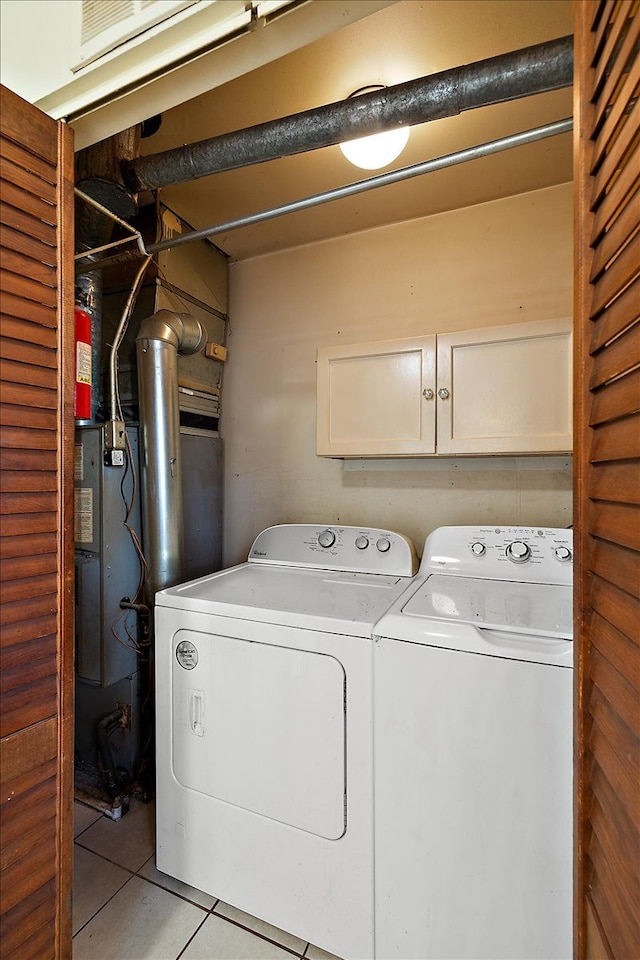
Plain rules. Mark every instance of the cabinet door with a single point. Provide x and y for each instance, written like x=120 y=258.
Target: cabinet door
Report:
x=373 y=399
x=506 y=389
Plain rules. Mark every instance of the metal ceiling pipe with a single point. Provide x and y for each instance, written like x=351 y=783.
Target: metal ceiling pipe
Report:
x=161 y=338
x=351 y=189
x=520 y=73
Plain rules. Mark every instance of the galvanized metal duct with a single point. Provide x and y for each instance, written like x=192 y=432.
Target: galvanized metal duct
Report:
x=520 y=73
x=161 y=338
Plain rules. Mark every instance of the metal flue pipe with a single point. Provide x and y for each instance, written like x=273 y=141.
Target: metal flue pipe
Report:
x=520 y=73
x=161 y=338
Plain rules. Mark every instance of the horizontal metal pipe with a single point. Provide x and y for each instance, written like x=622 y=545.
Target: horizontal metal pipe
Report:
x=352 y=189
x=520 y=73
x=383 y=179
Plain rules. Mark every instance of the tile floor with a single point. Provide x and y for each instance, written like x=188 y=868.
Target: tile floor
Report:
x=125 y=909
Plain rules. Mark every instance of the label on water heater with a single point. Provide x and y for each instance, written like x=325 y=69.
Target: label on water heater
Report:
x=78 y=464
x=83 y=362
x=84 y=515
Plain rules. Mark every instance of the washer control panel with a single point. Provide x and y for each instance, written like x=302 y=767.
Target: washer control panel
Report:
x=356 y=549
x=528 y=554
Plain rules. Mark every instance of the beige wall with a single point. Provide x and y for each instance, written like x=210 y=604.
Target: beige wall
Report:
x=496 y=263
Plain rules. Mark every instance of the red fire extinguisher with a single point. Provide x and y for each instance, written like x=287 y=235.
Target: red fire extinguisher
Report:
x=82 y=396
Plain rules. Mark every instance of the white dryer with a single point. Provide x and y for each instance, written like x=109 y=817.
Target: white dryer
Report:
x=264 y=728
x=473 y=751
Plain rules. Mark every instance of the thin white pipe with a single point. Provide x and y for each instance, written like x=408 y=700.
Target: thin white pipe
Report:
x=115 y=218
x=115 y=346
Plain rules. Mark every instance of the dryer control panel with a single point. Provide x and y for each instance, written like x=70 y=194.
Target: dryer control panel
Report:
x=526 y=554
x=354 y=549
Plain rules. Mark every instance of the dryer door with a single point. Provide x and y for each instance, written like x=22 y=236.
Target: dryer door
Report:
x=262 y=727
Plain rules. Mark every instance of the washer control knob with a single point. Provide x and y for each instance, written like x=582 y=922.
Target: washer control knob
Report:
x=383 y=545
x=362 y=543
x=519 y=551
x=478 y=549
x=563 y=553
x=327 y=538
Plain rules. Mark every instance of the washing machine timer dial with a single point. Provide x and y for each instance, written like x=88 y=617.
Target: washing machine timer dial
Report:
x=327 y=538
x=518 y=551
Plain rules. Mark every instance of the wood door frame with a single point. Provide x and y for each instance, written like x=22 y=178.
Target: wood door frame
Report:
x=66 y=539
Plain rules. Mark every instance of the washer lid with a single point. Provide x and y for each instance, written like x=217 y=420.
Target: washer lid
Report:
x=536 y=609
x=338 y=602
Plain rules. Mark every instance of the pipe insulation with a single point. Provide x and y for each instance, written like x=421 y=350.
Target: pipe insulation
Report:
x=160 y=339
x=352 y=189
x=372 y=183
x=520 y=73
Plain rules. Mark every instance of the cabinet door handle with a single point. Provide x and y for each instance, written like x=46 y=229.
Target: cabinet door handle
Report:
x=443 y=393
x=428 y=394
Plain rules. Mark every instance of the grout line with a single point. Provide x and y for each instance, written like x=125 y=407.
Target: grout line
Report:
x=174 y=893
x=260 y=936
x=78 y=835
x=104 y=857
x=206 y=910
x=195 y=932
x=115 y=893
x=182 y=896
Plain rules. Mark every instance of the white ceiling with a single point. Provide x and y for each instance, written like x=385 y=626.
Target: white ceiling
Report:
x=406 y=40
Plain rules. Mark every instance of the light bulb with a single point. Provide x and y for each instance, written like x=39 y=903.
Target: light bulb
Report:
x=377 y=150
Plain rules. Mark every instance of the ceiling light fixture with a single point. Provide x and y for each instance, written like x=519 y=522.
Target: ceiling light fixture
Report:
x=379 y=149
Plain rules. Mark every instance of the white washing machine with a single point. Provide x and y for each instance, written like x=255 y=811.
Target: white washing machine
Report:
x=264 y=728
x=473 y=751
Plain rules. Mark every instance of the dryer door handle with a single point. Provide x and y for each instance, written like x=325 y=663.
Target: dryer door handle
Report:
x=196 y=712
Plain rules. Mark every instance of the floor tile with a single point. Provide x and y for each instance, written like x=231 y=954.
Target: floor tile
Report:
x=83 y=817
x=128 y=842
x=142 y=922
x=219 y=939
x=315 y=953
x=151 y=872
x=94 y=882
x=265 y=929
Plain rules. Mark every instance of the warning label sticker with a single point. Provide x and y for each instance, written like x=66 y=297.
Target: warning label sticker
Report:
x=84 y=515
x=78 y=465
x=83 y=362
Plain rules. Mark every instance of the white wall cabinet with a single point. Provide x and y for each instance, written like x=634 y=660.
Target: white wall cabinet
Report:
x=498 y=390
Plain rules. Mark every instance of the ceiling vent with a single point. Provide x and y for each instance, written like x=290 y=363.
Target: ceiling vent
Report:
x=106 y=24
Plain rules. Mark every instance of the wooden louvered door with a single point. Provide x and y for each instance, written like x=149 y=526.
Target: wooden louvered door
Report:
x=607 y=514
x=36 y=533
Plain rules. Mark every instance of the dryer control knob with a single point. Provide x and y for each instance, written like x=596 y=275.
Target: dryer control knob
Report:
x=362 y=543
x=519 y=551
x=383 y=545
x=478 y=549
x=562 y=553
x=327 y=538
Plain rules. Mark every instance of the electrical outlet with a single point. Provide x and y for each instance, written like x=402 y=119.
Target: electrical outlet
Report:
x=114 y=458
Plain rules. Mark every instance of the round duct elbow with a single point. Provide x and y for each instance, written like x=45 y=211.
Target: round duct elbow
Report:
x=179 y=330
